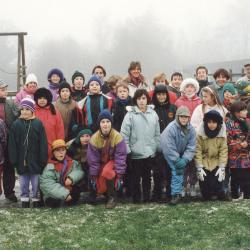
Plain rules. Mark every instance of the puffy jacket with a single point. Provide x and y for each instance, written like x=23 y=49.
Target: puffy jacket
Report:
x=191 y=104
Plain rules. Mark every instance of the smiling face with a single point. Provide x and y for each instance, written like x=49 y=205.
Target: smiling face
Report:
x=189 y=90
x=26 y=113
x=161 y=97
x=212 y=125
x=208 y=99
x=55 y=79
x=99 y=72
x=59 y=153
x=221 y=79
x=135 y=72
x=176 y=81
x=31 y=87
x=105 y=126
x=201 y=75
x=42 y=102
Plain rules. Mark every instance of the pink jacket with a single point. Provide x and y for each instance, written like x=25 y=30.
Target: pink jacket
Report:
x=190 y=103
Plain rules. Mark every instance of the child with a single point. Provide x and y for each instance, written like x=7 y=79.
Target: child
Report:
x=112 y=82
x=178 y=147
x=211 y=155
x=94 y=103
x=51 y=118
x=77 y=150
x=78 y=92
x=70 y=112
x=202 y=77
x=28 y=151
x=166 y=113
x=211 y=101
x=238 y=139
x=55 y=76
x=3 y=144
x=60 y=178
x=141 y=131
x=230 y=95
x=119 y=106
x=29 y=88
x=174 y=85
x=107 y=160
x=99 y=71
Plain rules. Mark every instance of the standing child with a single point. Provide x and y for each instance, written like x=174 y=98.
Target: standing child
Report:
x=28 y=151
x=174 y=85
x=141 y=131
x=78 y=91
x=60 y=178
x=211 y=155
x=238 y=139
x=3 y=144
x=178 y=147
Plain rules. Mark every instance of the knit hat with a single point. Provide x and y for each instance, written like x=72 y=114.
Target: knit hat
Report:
x=183 y=111
x=31 y=78
x=230 y=87
x=95 y=78
x=160 y=88
x=189 y=81
x=28 y=103
x=64 y=85
x=81 y=133
x=105 y=114
x=214 y=116
x=3 y=84
x=56 y=72
x=58 y=144
x=43 y=92
x=77 y=74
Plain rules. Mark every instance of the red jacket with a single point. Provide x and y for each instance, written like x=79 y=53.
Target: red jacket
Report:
x=190 y=104
x=53 y=124
x=172 y=96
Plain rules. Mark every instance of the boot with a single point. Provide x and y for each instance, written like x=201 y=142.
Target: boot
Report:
x=92 y=197
x=25 y=204
x=36 y=204
x=1 y=176
x=12 y=197
x=175 y=199
x=111 y=194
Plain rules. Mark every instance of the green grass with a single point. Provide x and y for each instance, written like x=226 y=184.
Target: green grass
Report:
x=210 y=225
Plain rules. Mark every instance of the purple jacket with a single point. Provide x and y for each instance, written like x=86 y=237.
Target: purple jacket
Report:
x=99 y=154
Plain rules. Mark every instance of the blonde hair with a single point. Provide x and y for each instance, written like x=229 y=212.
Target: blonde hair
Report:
x=158 y=77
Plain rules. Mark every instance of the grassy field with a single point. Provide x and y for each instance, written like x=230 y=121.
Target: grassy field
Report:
x=209 y=225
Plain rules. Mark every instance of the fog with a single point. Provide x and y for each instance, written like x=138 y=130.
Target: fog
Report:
x=163 y=35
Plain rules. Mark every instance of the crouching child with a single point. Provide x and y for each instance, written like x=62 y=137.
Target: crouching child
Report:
x=60 y=178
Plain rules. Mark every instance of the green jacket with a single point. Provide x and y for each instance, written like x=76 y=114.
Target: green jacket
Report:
x=50 y=181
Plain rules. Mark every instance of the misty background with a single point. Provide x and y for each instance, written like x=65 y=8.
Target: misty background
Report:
x=165 y=36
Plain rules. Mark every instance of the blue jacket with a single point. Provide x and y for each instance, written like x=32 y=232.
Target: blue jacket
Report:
x=175 y=144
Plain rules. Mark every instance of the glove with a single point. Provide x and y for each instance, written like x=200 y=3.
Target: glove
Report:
x=93 y=180
x=221 y=174
x=119 y=182
x=201 y=174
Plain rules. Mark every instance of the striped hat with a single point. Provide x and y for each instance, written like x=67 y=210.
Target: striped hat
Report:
x=28 y=103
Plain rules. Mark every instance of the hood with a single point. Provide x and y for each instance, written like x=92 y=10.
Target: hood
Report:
x=222 y=132
x=135 y=109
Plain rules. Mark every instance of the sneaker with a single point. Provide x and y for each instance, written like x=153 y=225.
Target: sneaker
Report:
x=175 y=199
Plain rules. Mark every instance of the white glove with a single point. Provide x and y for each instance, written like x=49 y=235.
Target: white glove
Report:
x=221 y=174
x=201 y=174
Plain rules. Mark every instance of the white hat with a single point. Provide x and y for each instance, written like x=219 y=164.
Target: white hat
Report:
x=192 y=82
x=31 y=78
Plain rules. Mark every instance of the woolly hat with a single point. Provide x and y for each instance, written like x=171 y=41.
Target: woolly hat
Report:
x=58 y=144
x=77 y=74
x=64 y=85
x=160 y=88
x=183 y=111
x=81 y=133
x=31 y=78
x=28 y=103
x=230 y=87
x=189 y=81
x=214 y=116
x=2 y=84
x=105 y=114
x=55 y=72
x=96 y=79
x=43 y=92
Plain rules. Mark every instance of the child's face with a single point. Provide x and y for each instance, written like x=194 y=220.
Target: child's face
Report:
x=162 y=80
x=42 y=102
x=242 y=114
x=99 y=72
x=135 y=72
x=65 y=94
x=3 y=92
x=212 y=125
x=176 y=81
x=142 y=102
x=105 y=126
x=94 y=87
x=201 y=75
x=60 y=153
x=122 y=93
x=84 y=139
x=78 y=82
x=183 y=120
x=208 y=99
x=161 y=97
x=227 y=95
x=32 y=86
x=221 y=80
x=26 y=113
x=190 y=89
x=55 y=78
x=247 y=71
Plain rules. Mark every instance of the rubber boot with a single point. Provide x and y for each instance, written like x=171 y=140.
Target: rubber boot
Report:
x=111 y=194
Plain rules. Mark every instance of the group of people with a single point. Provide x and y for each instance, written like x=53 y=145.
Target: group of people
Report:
x=112 y=138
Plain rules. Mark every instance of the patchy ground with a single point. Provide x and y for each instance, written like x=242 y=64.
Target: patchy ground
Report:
x=209 y=225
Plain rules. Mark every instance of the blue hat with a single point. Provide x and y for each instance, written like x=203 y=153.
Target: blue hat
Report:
x=96 y=79
x=105 y=114
x=56 y=72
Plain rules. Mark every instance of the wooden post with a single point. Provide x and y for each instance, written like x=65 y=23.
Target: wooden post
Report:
x=18 y=63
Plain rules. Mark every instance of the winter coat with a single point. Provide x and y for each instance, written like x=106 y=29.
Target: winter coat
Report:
x=119 y=111
x=172 y=96
x=197 y=116
x=219 y=90
x=239 y=157
x=174 y=90
x=54 y=92
x=50 y=180
x=3 y=140
x=141 y=132
x=191 y=104
x=28 y=148
x=22 y=94
x=176 y=144
x=103 y=149
x=53 y=124
x=211 y=152
x=203 y=84
x=78 y=95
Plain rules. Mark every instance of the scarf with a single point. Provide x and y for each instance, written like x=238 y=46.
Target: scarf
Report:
x=211 y=133
x=136 y=80
x=88 y=107
x=105 y=157
x=53 y=86
x=122 y=102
